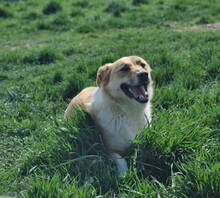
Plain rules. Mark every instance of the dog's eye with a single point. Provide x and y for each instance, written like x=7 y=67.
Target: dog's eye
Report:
x=142 y=65
x=125 y=68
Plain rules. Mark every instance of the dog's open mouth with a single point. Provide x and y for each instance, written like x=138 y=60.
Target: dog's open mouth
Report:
x=139 y=93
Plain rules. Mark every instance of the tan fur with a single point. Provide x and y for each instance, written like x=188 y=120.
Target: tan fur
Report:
x=82 y=99
x=118 y=117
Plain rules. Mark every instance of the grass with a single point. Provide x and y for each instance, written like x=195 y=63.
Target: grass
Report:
x=50 y=50
x=51 y=8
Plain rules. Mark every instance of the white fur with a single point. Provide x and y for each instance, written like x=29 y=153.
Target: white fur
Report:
x=119 y=122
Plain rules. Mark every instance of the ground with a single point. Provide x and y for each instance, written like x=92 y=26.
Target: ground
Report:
x=50 y=50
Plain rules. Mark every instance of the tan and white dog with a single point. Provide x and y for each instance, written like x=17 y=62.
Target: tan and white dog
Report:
x=120 y=105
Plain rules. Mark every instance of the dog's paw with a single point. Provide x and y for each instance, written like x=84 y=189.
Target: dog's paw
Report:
x=121 y=164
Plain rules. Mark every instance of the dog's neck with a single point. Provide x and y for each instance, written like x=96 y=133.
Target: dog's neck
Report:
x=102 y=101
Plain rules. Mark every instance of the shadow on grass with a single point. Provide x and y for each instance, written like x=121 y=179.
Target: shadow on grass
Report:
x=149 y=162
x=89 y=158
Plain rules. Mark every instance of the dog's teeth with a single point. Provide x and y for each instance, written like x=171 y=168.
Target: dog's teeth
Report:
x=143 y=90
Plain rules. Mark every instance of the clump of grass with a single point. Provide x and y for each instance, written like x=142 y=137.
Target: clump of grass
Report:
x=82 y=3
x=57 y=77
x=175 y=12
x=11 y=1
x=74 y=85
x=46 y=56
x=70 y=51
x=85 y=29
x=52 y=8
x=32 y=16
x=179 y=7
x=204 y=20
x=3 y=77
x=193 y=81
x=134 y=186
x=4 y=13
x=76 y=12
x=15 y=95
x=44 y=26
x=178 y=133
x=55 y=187
x=116 y=8
x=82 y=69
x=5 y=67
x=164 y=59
x=139 y=2
x=160 y=2
x=201 y=178
x=214 y=121
x=165 y=64
x=163 y=76
x=61 y=21
x=173 y=95
x=110 y=58
x=214 y=71
x=150 y=161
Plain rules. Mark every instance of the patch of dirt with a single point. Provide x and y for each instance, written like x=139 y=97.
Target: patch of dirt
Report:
x=212 y=26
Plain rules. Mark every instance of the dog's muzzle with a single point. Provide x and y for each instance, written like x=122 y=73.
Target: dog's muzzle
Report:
x=138 y=92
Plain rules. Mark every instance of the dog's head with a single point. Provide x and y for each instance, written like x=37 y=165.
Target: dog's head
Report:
x=128 y=78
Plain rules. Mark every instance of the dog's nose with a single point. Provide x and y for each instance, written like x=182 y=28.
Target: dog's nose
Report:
x=143 y=77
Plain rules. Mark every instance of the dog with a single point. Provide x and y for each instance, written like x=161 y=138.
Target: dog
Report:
x=120 y=105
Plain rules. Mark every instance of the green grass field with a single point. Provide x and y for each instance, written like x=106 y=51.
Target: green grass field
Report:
x=50 y=50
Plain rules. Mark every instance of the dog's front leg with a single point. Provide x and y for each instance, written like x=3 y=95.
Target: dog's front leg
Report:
x=121 y=164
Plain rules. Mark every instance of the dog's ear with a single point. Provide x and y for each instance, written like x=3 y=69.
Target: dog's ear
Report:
x=103 y=75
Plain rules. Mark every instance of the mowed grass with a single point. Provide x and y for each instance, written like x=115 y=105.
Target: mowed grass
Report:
x=50 y=50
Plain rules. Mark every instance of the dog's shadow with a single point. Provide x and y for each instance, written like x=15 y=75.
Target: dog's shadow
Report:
x=150 y=159
x=149 y=162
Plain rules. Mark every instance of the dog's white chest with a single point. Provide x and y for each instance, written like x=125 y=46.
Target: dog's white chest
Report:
x=118 y=128
x=119 y=123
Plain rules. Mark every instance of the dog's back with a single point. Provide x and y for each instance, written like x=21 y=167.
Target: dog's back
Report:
x=82 y=99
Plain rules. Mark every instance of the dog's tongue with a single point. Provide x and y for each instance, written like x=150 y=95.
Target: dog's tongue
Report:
x=139 y=92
